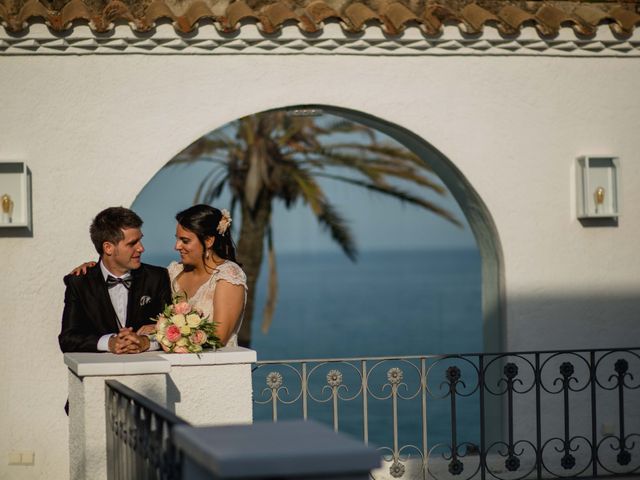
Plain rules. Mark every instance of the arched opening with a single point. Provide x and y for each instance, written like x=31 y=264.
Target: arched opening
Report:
x=471 y=206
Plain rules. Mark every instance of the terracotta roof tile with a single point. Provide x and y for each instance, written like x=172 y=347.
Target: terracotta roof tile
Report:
x=318 y=11
x=236 y=12
x=157 y=10
x=475 y=17
x=471 y=16
x=276 y=14
x=197 y=11
x=589 y=15
x=513 y=18
x=550 y=17
x=72 y=11
x=625 y=20
x=358 y=14
x=32 y=10
x=396 y=16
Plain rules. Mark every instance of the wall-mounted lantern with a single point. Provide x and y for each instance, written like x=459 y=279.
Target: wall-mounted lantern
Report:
x=15 y=196
x=597 y=187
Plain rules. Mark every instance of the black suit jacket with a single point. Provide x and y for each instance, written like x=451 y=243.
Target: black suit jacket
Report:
x=88 y=312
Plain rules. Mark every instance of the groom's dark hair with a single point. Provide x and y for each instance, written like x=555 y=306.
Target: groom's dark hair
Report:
x=109 y=223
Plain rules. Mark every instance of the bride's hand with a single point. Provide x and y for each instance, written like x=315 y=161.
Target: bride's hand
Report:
x=82 y=269
x=147 y=330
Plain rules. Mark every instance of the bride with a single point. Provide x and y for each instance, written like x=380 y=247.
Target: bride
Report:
x=207 y=275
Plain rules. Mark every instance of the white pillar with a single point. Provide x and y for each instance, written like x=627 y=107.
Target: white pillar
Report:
x=212 y=388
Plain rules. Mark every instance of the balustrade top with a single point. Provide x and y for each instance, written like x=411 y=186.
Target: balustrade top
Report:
x=85 y=364
x=287 y=449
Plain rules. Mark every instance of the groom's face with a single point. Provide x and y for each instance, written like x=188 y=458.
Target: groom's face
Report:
x=126 y=254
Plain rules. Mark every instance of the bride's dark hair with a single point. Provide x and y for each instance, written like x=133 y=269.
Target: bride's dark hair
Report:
x=203 y=220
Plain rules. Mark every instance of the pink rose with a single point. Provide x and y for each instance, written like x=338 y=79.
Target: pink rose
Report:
x=180 y=350
x=173 y=333
x=198 y=337
x=182 y=308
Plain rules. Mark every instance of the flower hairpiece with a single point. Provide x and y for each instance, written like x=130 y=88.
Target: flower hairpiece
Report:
x=224 y=222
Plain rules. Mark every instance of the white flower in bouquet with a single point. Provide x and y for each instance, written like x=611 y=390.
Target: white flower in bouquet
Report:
x=183 y=329
x=193 y=320
x=162 y=323
x=178 y=320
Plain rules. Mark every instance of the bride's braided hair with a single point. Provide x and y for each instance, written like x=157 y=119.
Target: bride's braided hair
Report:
x=203 y=221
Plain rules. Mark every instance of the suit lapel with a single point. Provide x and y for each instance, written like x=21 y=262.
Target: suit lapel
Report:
x=135 y=292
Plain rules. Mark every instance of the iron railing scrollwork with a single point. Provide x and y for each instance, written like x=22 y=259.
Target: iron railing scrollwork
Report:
x=504 y=416
x=139 y=441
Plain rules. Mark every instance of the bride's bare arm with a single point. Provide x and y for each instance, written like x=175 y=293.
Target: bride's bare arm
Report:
x=82 y=269
x=228 y=302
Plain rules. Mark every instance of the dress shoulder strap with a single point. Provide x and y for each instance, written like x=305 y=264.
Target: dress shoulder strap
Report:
x=231 y=272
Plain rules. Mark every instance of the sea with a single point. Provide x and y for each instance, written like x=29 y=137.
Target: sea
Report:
x=385 y=304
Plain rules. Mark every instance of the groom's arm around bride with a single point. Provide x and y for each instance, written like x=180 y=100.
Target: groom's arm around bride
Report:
x=106 y=307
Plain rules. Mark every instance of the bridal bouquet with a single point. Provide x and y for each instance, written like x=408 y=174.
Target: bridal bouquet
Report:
x=183 y=329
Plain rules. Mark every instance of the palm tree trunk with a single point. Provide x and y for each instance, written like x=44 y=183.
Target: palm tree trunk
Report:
x=250 y=253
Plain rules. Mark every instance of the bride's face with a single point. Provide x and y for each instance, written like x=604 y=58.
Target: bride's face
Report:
x=188 y=246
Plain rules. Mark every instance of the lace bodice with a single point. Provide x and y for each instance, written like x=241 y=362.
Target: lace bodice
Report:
x=203 y=298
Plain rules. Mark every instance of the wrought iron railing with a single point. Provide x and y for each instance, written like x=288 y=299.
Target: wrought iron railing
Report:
x=507 y=416
x=139 y=440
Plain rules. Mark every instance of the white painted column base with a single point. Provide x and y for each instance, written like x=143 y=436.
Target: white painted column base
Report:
x=212 y=388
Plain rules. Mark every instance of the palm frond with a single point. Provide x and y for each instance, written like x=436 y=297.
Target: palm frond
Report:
x=380 y=170
x=215 y=190
x=221 y=133
x=376 y=169
x=376 y=153
x=394 y=153
x=341 y=126
x=397 y=193
x=233 y=206
x=209 y=177
x=185 y=160
x=339 y=230
x=326 y=213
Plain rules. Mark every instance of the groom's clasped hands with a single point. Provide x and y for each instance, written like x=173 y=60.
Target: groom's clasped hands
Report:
x=128 y=341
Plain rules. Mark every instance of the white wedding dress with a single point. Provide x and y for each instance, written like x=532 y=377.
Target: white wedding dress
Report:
x=203 y=298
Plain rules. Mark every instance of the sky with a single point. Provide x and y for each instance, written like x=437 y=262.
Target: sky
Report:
x=377 y=222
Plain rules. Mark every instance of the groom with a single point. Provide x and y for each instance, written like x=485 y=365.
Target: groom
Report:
x=104 y=309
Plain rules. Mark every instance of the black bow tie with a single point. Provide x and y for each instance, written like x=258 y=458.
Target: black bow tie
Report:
x=113 y=281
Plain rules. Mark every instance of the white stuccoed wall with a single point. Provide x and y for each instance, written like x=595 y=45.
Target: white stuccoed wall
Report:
x=95 y=129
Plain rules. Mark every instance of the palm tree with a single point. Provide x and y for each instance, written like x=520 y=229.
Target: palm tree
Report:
x=279 y=156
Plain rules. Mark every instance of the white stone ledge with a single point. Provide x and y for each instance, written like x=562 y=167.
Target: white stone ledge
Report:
x=223 y=356
x=85 y=364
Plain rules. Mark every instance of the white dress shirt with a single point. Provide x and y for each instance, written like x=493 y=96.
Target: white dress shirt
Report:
x=119 y=295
